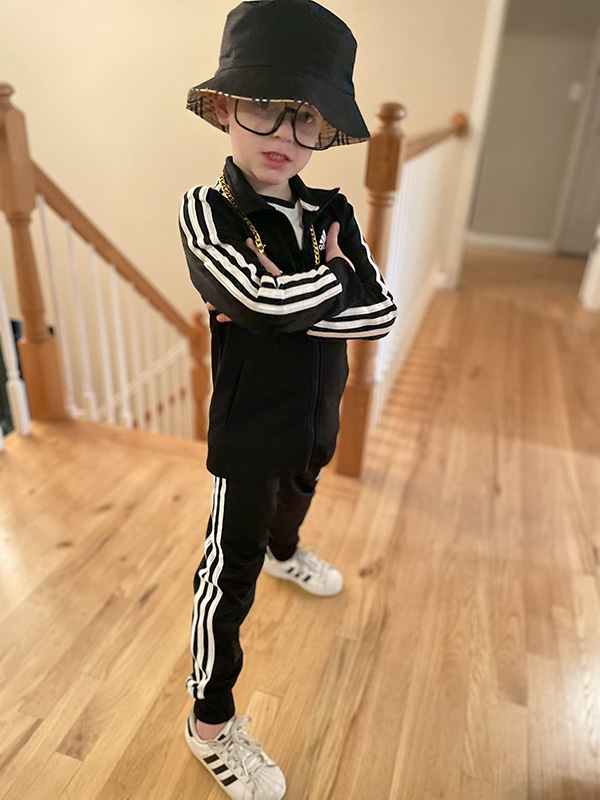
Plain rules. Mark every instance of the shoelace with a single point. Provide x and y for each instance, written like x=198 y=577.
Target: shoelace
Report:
x=242 y=749
x=310 y=561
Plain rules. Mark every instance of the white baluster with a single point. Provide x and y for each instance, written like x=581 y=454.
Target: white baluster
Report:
x=174 y=384
x=107 y=376
x=59 y=320
x=126 y=415
x=182 y=390
x=184 y=386
x=149 y=348
x=171 y=343
x=189 y=395
x=15 y=388
x=400 y=240
x=88 y=393
x=163 y=380
x=134 y=335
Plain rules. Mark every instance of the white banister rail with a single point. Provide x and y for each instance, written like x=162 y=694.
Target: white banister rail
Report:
x=417 y=243
x=163 y=387
x=15 y=388
x=88 y=393
x=145 y=384
x=107 y=379
x=126 y=416
x=151 y=379
x=136 y=362
x=123 y=361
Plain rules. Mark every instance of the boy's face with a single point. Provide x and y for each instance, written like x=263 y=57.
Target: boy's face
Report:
x=268 y=162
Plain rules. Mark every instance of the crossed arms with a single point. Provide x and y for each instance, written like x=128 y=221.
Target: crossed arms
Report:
x=345 y=297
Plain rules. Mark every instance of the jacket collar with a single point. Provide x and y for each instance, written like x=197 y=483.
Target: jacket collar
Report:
x=248 y=200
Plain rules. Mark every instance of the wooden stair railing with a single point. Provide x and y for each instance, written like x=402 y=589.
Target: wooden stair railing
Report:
x=37 y=348
x=389 y=151
x=20 y=180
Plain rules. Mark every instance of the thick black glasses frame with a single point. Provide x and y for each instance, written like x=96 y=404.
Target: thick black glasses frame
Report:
x=278 y=122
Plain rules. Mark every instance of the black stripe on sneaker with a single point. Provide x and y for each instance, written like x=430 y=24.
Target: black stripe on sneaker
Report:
x=211 y=759
x=308 y=577
x=219 y=770
x=229 y=780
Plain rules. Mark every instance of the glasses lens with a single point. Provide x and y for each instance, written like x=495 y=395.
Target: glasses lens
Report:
x=258 y=116
x=307 y=125
x=311 y=130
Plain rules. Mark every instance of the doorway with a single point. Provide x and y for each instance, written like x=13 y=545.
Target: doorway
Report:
x=527 y=193
x=579 y=211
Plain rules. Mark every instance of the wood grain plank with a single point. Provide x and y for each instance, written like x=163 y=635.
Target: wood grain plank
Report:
x=461 y=661
x=52 y=779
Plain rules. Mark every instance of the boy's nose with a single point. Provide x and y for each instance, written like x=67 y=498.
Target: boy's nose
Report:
x=285 y=131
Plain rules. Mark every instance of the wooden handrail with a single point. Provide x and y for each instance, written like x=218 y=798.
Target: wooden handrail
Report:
x=67 y=210
x=458 y=126
x=389 y=150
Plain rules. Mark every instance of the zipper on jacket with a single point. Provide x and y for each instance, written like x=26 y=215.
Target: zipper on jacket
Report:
x=314 y=407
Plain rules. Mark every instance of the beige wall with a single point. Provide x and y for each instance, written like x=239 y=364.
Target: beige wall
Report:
x=103 y=85
x=546 y=47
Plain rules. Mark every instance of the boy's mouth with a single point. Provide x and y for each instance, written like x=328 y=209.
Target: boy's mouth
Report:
x=273 y=155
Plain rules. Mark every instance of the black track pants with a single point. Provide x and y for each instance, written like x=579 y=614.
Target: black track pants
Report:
x=246 y=516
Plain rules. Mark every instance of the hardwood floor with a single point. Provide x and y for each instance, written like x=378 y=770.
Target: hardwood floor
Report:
x=462 y=660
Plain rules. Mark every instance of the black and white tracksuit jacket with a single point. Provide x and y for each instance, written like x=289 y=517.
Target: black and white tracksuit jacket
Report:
x=279 y=368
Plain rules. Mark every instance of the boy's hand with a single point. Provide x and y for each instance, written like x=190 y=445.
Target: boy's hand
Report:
x=264 y=260
x=267 y=264
x=332 y=248
x=219 y=317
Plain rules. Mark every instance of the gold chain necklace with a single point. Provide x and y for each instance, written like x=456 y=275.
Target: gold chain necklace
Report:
x=255 y=234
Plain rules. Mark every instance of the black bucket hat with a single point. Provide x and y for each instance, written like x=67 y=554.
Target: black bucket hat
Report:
x=291 y=50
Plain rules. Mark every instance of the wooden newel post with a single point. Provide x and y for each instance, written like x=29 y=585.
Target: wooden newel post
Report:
x=385 y=148
x=37 y=348
x=200 y=374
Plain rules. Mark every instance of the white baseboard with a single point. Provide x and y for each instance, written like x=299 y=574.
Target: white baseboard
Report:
x=502 y=242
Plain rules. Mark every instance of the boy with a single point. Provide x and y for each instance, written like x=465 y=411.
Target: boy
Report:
x=287 y=278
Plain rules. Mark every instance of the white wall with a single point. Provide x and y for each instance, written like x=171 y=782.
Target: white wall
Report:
x=104 y=84
x=546 y=47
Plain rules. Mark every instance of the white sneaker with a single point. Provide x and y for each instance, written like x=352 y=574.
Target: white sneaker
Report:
x=307 y=570
x=237 y=761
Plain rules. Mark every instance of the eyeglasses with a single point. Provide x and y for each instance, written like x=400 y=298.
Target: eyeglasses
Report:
x=264 y=117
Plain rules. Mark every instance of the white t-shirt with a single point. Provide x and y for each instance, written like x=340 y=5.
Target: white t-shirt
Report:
x=293 y=211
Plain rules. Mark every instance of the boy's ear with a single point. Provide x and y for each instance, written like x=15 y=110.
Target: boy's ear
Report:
x=221 y=109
